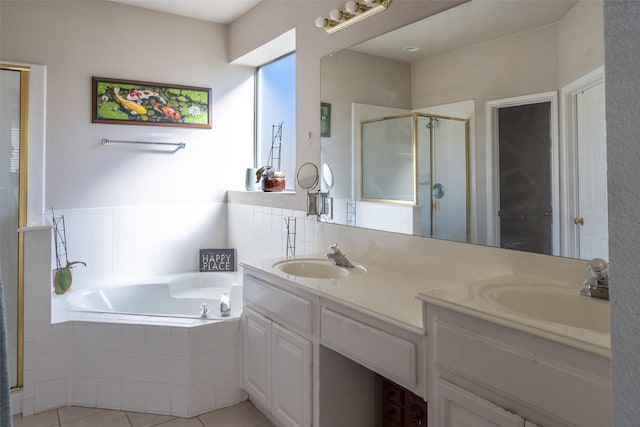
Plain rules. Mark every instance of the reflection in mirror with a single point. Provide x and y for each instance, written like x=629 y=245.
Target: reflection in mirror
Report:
x=473 y=60
x=388 y=159
x=307 y=176
x=327 y=178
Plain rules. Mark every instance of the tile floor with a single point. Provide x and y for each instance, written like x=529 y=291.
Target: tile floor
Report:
x=240 y=415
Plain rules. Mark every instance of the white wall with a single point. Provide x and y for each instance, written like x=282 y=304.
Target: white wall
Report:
x=133 y=210
x=77 y=40
x=622 y=30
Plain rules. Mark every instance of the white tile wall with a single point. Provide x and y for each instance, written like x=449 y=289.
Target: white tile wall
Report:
x=138 y=241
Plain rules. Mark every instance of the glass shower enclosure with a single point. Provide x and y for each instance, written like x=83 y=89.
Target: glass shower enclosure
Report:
x=422 y=161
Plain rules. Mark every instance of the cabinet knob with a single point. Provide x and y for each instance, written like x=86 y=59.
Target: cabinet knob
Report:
x=578 y=221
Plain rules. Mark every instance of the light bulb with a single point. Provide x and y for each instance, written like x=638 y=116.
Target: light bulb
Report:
x=335 y=14
x=352 y=7
x=321 y=22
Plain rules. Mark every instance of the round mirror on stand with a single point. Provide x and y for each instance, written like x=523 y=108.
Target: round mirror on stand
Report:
x=307 y=176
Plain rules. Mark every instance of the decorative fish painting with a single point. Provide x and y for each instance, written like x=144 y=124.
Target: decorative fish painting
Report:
x=145 y=103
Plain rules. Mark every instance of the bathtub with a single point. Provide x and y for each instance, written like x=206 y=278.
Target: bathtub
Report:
x=180 y=295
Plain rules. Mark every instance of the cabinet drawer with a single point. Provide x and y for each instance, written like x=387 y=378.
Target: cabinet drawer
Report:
x=392 y=393
x=386 y=422
x=386 y=354
x=415 y=410
x=285 y=308
x=392 y=412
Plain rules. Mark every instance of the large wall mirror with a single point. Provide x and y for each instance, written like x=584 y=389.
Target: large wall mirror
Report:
x=516 y=91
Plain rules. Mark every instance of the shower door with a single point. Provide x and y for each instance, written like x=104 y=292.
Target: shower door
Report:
x=450 y=175
x=14 y=83
x=443 y=176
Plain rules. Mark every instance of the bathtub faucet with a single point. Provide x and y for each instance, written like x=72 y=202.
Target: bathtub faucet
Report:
x=204 y=310
x=225 y=305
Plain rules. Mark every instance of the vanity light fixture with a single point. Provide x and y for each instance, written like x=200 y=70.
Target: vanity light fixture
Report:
x=354 y=11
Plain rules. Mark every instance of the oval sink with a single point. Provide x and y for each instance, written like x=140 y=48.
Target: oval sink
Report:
x=553 y=304
x=316 y=268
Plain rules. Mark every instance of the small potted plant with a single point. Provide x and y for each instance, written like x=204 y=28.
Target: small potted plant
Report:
x=272 y=180
x=62 y=276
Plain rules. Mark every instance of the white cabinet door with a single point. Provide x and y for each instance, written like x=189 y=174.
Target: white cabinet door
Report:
x=291 y=378
x=460 y=408
x=256 y=358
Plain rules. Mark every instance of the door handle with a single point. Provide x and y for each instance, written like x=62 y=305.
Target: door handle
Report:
x=578 y=221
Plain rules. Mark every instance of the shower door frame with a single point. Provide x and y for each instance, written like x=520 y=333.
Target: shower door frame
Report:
x=25 y=73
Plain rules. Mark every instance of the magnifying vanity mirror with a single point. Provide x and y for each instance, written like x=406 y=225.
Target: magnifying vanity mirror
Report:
x=318 y=202
x=307 y=176
x=480 y=124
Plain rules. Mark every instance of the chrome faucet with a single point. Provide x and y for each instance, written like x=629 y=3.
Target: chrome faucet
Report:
x=225 y=305
x=338 y=258
x=204 y=310
x=597 y=285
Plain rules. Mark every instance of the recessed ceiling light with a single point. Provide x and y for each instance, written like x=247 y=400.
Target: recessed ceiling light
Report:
x=411 y=48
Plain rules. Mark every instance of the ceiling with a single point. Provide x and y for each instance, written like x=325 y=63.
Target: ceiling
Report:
x=218 y=11
x=464 y=25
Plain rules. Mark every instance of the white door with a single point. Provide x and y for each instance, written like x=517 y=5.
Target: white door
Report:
x=591 y=218
x=459 y=408
x=256 y=355
x=291 y=378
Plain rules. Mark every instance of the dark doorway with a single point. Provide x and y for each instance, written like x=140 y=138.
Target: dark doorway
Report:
x=525 y=177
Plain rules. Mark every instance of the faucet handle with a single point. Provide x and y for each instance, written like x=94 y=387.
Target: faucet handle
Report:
x=598 y=268
x=333 y=249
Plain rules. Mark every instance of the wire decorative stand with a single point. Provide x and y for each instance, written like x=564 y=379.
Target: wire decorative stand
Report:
x=275 y=152
x=60 y=239
x=291 y=236
x=351 y=213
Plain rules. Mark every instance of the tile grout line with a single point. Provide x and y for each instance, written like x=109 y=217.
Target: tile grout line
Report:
x=126 y=414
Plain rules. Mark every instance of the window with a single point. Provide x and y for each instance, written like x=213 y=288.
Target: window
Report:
x=276 y=115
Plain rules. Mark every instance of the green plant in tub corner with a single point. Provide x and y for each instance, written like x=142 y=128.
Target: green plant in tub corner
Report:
x=62 y=276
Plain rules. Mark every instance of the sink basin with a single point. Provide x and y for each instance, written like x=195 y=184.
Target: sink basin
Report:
x=316 y=268
x=552 y=304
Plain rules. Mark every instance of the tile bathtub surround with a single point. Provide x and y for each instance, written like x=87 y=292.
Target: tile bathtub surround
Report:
x=242 y=414
x=171 y=370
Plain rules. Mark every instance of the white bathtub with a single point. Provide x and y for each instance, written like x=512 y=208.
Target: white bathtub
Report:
x=180 y=295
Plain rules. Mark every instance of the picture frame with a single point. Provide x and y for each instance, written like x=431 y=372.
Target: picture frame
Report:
x=133 y=102
x=325 y=119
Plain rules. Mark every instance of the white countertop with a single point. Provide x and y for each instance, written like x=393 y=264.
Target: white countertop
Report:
x=583 y=322
x=389 y=296
x=397 y=298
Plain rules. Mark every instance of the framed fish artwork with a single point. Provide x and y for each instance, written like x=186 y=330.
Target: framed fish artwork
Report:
x=131 y=102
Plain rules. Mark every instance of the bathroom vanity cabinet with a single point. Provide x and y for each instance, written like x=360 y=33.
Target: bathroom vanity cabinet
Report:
x=276 y=356
x=284 y=327
x=476 y=362
x=486 y=374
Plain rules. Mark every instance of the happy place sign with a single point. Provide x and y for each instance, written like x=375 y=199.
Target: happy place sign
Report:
x=217 y=260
